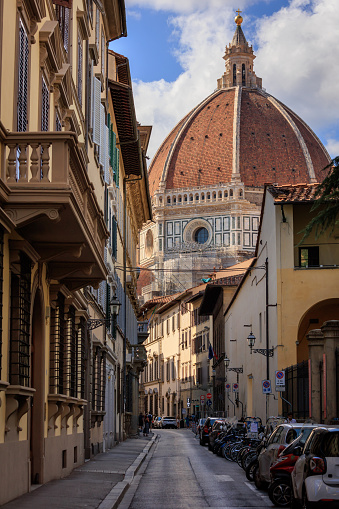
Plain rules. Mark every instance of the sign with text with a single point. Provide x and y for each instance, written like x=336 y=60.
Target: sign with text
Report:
x=279 y=378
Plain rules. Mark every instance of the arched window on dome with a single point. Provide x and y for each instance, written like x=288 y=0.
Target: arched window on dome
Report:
x=225 y=194
x=214 y=196
x=220 y=195
x=160 y=200
x=243 y=75
x=240 y=193
x=168 y=200
x=208 y=196
x=185 y=197
x=191 y=197
x=234 y=74
x=231 y=193
x=174 y=200
x=196 y=197
x=202 y=197
x=179 y=198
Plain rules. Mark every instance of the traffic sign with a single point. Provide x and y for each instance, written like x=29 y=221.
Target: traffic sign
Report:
x=266 y=386
x=202 y=397
x=209 y=402
x=202 y=402
x=209 y=395
x=279 y=378
x=235 y=387
x=228 y=387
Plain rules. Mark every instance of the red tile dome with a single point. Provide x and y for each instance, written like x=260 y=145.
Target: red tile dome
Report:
x=240 y=132
x=274 y=144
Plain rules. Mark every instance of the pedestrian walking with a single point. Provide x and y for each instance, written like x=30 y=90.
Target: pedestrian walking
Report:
x=178 y=421
x=146 y=426
x=141 y=422
x=187 y=422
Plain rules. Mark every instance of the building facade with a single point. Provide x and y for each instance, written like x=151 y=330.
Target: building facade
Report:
x=68 y=376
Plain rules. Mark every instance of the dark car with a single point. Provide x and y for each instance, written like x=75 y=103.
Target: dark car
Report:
x=217 y=428
x=206 y=429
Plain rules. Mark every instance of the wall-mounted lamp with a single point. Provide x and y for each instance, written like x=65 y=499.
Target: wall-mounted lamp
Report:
x=268 y=352
x=114 y=307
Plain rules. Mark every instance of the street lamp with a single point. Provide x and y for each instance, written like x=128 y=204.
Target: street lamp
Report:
x=114 y=307
x=268 y=352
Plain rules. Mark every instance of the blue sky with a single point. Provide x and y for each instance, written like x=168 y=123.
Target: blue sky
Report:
x=175 y=49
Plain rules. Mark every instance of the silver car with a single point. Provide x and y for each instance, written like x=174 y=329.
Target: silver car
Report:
x=168 y=422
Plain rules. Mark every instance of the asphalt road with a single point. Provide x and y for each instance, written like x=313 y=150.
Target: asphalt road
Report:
x=180 y=473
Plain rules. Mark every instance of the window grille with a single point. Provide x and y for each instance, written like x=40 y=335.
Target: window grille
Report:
x=20 y=324
x=57 y=347
x=71 y=353
x=1 y=289
x=62 y=14
x=81 y=357
x=58 y=126
x=80 y=42
x=44 y=106
x=22 y=119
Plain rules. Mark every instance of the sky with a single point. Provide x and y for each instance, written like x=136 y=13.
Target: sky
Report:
x=175 y=50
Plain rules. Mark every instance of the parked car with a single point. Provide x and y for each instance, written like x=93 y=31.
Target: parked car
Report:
x=206 y=429
x=281 y=437
x=217 y=428
x=168 y=422
x=156 y=422
x=315 y=478
x=280 y=488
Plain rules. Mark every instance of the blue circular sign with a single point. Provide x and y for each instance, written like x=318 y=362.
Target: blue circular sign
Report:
x=209 y=402
x=280 y=374
x=266 y=384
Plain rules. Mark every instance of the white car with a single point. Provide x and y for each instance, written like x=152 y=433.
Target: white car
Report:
x=168 y=422
x=315 y=478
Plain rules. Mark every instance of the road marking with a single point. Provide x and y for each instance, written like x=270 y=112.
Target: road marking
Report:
x=251 y=487
x=223 y=478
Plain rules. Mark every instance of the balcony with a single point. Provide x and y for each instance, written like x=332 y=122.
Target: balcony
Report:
x=142 y=331
x=51 y=200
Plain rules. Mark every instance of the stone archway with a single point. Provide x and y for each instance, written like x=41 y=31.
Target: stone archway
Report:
x=38 y=383
x=314 y=318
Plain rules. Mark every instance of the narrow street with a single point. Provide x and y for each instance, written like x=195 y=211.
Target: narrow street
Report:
x=182 y=474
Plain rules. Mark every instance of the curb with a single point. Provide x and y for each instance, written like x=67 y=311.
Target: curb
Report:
x=117 y=493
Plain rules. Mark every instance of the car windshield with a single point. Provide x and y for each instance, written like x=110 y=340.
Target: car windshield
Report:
x=298 y=442
x=172 y=418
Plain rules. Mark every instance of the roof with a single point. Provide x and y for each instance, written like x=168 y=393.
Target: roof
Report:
x=299 y=193
x=275 y=145
x=238 y=37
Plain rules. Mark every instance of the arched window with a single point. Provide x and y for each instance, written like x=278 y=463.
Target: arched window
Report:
x=201 y=236
x=240 y=193
x=168 y=200
x=160 y=200
x=225 y=194
x=202 y=197
x=219 y=195
x=214 y=196
x=231 y=193
x=243 y=75
x=179 y=198
x=191 y=197
x=208 y=196
x=185 y=197
x=174 y=200
x=196 y=197
x=234 y=74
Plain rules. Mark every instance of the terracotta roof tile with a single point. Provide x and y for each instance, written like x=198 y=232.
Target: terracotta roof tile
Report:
x=293 y=193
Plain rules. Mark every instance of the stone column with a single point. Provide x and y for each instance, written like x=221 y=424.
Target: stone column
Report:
x=330 y=330
x=315 y=349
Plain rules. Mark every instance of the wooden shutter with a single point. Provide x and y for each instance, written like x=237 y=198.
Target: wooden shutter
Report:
x=102 y=136
x=80 y=55
x=96 y=110
x=106 y=176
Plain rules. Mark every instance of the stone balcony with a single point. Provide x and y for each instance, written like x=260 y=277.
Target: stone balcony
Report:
x=47 y=193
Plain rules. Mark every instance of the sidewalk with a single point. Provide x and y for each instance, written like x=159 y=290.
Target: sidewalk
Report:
x=98 y=484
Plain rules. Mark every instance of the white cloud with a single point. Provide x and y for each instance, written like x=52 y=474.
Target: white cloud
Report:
x=296 y=58
x=185 y=6
x=333 y=147
x=134 y=14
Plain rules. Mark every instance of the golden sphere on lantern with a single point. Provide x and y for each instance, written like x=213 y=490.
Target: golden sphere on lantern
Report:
x=238 y=19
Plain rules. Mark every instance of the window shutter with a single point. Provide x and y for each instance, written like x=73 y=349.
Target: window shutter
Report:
x=96 y=110
x=102 y=136
x=91 y=84
x=80 y=42
x=117 y=166
x=22 y=79
x=106 y=155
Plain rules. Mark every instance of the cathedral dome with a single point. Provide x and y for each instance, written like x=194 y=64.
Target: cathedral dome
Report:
x=240 y=132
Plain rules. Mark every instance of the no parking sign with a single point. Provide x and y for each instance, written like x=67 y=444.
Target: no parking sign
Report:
x=266 y=387
x=228 y=387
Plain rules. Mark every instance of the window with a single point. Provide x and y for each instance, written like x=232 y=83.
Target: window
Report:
x=97 y=28
x=103 y=52
x=58 y=126
x=20 y=324
x=309 y=256
x=22 y=119
x=201 y=235
x=44 y=106
x=79 y=73
x=62 y=14
x=234 y=74
x=57 y=347
x=243 y=75
x=1 y=288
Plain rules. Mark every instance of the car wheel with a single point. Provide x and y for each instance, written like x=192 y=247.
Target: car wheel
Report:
x=280 y=492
